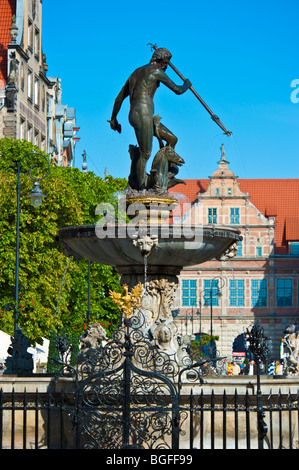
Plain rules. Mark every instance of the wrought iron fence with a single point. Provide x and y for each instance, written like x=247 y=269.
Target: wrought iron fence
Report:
x=36 y=420
x=130 y=393
x=231 y=421
x=205 y=421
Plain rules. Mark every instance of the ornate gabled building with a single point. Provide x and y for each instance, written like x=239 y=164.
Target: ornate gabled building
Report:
x=30 y=102
x=262 y=281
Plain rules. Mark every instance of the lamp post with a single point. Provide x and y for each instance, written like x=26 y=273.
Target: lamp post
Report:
x=36 y=197
x=189 y=313
x=20 y=361
x=198 y=312
x=218 y=295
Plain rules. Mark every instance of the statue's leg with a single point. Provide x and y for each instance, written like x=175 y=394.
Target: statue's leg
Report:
x=144 y=135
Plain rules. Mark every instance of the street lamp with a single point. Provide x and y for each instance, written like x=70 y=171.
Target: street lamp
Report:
x=218 y=295
x=190 y=310
x=36 y=197
x=199 y=313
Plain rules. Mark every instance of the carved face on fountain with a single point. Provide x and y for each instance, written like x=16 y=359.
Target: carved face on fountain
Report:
x=164 y=335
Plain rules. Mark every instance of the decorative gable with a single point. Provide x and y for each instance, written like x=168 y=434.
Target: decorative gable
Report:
x=222 y=202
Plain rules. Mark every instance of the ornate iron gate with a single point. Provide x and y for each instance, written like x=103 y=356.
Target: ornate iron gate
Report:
x=127 y=396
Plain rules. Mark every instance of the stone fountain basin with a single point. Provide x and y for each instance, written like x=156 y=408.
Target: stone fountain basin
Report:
x=174 y=246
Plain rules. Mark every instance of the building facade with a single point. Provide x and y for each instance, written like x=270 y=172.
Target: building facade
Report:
x=261 y=282
x=30 y=102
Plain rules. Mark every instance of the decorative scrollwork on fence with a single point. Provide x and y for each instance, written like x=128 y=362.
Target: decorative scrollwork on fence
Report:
x=127 y=394
x=128 y=389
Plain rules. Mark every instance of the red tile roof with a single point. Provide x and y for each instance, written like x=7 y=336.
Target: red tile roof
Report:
x=7 y=10
x=292 y=228
x=191 y=189
x=278 y=198
x=273 y=197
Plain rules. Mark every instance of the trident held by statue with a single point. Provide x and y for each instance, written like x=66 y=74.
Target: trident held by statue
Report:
x=213 y=116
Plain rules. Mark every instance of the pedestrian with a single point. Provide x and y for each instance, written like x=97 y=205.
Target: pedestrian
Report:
x=235 y=369
x=242 y=367
x=251 y=368
x=278 y=368
x=225 y=367
x=271 y=367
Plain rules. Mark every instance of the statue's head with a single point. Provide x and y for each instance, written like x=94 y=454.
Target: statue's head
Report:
x=161 y=56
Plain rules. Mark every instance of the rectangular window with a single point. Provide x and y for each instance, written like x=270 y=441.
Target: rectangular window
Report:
x=259 y=292
x=36 y=138
x=36 y=92
x=189 y=293
x=234 y=215
x=36 y=42
x=240 y=248
x=22 y=128
x=236 y=293
x=22 y=77
x=284 y=292
x=294 y=248
x=30 y=35
x=29 y=133
x=29 y=85
x=229 y=191
x=43 y=98
x=217 y=192
x=43 y=143
x=49 y=106
x=212 y=215
x=259 y=251
x=211 y=289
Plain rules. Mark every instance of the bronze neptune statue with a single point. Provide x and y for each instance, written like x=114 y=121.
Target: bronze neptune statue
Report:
x=141 y=87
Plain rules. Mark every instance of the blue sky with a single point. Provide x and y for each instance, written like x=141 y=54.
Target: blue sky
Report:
x=241 y=57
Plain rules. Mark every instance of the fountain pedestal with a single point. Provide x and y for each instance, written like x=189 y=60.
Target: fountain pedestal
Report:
x=159 y=290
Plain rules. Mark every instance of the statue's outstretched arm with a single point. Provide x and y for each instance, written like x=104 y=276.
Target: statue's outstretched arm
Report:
x=178 y=89
x=124 y=92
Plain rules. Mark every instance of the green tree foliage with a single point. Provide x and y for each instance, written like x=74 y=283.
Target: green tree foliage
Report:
x=53 y=288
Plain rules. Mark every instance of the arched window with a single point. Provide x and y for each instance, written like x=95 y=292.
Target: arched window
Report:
x=240 y=347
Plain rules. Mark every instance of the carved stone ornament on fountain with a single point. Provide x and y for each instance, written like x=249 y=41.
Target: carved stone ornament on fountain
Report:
x=159 y=288
x=150 y=303
x=145 y=243
x=158 y=294
x=164 y=337
x=91 y=342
